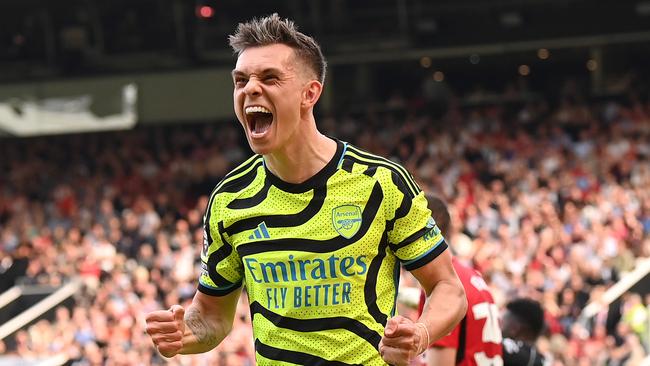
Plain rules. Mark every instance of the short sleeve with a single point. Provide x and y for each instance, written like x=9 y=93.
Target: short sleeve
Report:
x=414 y=237
x=221 y=268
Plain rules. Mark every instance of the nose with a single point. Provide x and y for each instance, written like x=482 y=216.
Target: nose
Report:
x=252 y=87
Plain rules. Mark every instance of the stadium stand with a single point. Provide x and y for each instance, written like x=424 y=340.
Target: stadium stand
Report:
x=552 y=201
x=547 y=175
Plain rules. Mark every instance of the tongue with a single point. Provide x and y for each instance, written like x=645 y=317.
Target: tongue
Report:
x=262 y=122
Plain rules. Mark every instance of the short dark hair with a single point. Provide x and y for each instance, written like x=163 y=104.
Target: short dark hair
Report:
x=440 y=214
x=272 y=30
x=530 y=315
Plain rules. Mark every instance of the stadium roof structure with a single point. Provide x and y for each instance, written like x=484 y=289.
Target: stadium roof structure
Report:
x=45 y=39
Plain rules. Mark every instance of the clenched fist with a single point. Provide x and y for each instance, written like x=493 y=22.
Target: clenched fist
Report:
x=403 y=341
x=166 y=329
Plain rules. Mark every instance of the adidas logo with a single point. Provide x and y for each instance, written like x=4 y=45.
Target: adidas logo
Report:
x=261 y=232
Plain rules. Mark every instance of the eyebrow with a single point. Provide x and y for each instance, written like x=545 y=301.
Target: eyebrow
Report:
x=270 y=70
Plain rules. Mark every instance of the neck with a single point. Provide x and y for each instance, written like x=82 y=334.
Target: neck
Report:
x=303 y=157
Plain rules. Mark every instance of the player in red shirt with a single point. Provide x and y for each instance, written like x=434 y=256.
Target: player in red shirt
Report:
x=476 y=341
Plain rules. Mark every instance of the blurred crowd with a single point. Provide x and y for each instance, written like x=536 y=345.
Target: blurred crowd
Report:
x=550 y=199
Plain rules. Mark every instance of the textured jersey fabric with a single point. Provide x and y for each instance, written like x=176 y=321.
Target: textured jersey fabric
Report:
x=319 y=260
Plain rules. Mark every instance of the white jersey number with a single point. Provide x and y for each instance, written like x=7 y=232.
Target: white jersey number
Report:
x=483 y=360
x=489 y=312
x=491 y=332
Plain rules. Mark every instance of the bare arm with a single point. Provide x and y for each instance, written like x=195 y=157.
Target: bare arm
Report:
x=446 y=302
x=441 y=356
x=446 y=305
x=208 y=321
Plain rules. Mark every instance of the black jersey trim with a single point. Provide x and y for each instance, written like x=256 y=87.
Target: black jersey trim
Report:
x=297 y=219
x=236 y=184
x=370 y=287
x=401 y=212
x=222 y=291
x=368 y=162
x=243 y=166
x=217 y=189
x=206 y=226
x=401 y=185
x=295 y=357
x=396 y=278
x=236 y=173
x=256 y=199
x=347 y=165
x=318 y=180
x=412 y=238
x=314 y=325
x=427 y=257
x=317 y=246
x=217 y=256
x=370 y=171
x=408 y=178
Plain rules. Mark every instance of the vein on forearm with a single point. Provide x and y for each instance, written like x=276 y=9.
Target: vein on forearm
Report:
x=450 y=304
x=205 y=333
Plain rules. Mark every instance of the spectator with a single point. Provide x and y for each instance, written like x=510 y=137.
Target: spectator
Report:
x=579 y=215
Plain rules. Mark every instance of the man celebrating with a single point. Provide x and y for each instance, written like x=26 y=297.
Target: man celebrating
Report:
x=314 y=227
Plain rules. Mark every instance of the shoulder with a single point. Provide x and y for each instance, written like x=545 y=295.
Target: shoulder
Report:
x=385 y=171
x=465 y=272
x=519 y=353
x=461 y=267
x=239 y=178
x=515 y=352
x=470 y=276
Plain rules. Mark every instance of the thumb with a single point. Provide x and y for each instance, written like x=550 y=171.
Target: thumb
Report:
x=178 y=312
x=391 y=327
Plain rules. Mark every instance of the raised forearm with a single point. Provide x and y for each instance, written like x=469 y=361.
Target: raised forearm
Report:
x=202 y=334
x=445 y=308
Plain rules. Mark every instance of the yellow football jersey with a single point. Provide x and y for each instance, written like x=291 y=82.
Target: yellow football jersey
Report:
x=320 y=260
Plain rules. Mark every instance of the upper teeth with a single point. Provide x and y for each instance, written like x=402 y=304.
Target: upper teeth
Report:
x=257 y=109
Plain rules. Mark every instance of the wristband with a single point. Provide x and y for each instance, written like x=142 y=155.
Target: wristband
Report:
x=428 y=338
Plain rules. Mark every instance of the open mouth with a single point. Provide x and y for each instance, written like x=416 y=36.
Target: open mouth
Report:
x=259 y=119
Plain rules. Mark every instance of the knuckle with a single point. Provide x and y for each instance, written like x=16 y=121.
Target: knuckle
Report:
x=158 y=339
x=169 y=346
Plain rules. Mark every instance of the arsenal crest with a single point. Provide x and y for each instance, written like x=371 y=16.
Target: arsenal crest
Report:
x=346 y=220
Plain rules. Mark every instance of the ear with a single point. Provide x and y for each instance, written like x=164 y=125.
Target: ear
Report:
x=311 y=93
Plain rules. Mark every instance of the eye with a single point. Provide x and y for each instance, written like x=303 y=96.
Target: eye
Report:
x=270 y=78
x=240 y=81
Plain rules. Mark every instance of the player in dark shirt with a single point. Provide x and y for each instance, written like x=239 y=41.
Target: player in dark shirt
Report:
x=521 y=325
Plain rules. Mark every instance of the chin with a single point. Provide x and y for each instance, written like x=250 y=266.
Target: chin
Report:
x=259 y=148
